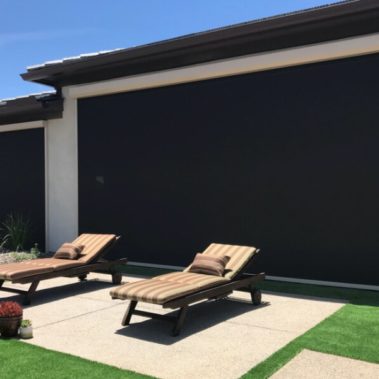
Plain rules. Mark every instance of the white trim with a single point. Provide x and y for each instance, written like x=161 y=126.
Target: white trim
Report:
x=22 y=126
x=343 y=48
x=46 y=155
x=277 y=278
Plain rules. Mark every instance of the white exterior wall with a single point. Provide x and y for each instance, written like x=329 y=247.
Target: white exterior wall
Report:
x=62 y=176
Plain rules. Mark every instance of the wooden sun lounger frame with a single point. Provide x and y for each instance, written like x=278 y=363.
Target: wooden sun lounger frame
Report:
x=242 y=281
x=99 y=264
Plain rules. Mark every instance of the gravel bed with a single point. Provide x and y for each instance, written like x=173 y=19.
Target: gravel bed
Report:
x=15 y=257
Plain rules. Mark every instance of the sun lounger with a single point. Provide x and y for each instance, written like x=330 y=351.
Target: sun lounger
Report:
x=180 y=289
x=91 y=259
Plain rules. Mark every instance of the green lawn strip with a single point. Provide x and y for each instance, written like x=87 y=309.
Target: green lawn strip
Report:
x=353 y=331
x=21 y=360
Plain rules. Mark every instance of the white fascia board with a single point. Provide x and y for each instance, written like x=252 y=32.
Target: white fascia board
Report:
x=343 y=48
x=22 y=126
x=324 y=283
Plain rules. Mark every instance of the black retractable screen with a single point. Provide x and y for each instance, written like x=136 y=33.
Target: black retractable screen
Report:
x=22 y=170
x=285 y=160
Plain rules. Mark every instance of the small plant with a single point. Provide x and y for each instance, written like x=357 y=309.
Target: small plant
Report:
x=35 y=250
x=26 y=330
x=26 y=323
x=16 y=229
x=2 y=244
x=10 y=309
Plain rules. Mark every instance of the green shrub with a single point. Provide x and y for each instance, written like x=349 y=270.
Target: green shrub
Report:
x=18 y=256
x=16 y=230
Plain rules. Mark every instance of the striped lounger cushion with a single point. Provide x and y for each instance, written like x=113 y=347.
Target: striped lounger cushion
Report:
x=239 y=257
x=14 y=271
x=94 y=245
x=166 y=287
x=163 y=288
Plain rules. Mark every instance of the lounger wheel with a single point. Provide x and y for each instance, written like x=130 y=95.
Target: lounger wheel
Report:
x=82 y=277
x=256 y=296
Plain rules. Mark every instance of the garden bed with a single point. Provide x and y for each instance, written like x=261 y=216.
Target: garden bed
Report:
x=16 y=256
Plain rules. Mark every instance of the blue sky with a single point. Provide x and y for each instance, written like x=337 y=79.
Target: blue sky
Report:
x=33 y=32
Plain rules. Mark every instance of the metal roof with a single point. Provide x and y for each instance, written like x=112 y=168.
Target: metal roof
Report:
x=328 y=22
x=71 y=59
x=40 y=106
x=86 y=56
x=37 y=95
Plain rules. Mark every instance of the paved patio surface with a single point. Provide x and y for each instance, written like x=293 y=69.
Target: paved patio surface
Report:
x=312 y=365
x=221 y=339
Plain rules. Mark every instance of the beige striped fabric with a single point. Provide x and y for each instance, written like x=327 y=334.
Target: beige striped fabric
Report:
x=94 y=245
x=14 y=271
x=68 y=251
x=164 y=288
x=207 y=264
x=239 y=257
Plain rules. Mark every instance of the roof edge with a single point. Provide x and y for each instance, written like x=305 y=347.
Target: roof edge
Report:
x=335 y=21
x=43 y=106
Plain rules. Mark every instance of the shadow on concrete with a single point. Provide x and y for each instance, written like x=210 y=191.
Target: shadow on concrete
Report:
x=46 y=295
x=324 y=293
x=307 y=297
x=200 y=316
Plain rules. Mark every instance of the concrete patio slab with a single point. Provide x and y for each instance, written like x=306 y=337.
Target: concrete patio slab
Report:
x=219 y=339
x=311 y=365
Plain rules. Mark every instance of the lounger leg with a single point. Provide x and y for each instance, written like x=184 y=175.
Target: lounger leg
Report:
x=1 y=283
x=129 y=313
x=180 y=321
x=116 y=277
x=256 y=296
x=30 y=293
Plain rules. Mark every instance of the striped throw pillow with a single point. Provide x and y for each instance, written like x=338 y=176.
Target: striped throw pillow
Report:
x=69 y=251
x=209 y=265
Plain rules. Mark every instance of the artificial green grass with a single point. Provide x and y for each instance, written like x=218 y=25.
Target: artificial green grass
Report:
x=21 y=360
x=352 y=332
